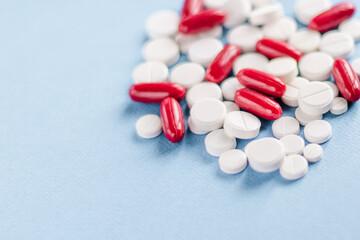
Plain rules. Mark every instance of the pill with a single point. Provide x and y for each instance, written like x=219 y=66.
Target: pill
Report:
x=294 y=167
x=356 y=66
x=346 y=80
x=161 y=49
x=258 y=104
x=315 y=98
x=351 y=27
x=285 y=68
x=265 y=15
x=205 y=50
x=162 y=24
x=339 y=106
x=273 y=49
x=306 y=40
x=291 y=94
x=202 y=21
x=313 y=152
x=333 y=87
x=306 y=10
x=332 y=18
x=245 y=36
x=280 y=30
x=229 y=87
x=231 y=106
x=221 y=66
x=194 y=129
x=191 y=7
x=152 y=71
x=337 y=44
x=187 y=74
x=156 y=92
x=242 y=125
x=293 y=144
x=285 y=126
x=255 y=61
x=202 y=91
x=316 y=66
x=318 y=131
x=261 y=3
x=305 y=118
x=172 y=120
x=262 y=82
x=148 y=126
x=233 y=161
x=217 y=142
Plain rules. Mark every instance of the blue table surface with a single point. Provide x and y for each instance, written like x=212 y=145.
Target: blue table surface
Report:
x=72 y=167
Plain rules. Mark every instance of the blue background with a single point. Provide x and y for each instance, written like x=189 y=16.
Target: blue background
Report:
x=72 y=167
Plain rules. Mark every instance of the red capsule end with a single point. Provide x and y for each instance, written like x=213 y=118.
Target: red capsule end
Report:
x=191 y=7
x=273 y=49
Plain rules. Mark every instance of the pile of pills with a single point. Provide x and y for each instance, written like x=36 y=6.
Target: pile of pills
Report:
x=271 y=61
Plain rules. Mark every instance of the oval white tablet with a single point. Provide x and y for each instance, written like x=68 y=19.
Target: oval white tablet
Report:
x=318 y=131
x=231 y=106
x=313 y=152
x=316 y=66
x=267 y=14
x=251 y=60
x=291 y=94
x=294 y=167
x=305 y=118
x=306 y=10
x=337 y=44
x=242 y=125
x=333 y=87
x=150 y=72
x=202 y=91
x=306 y=40
x=208 y=114
x=285 y=126
x=293 y=144
x=205 y=50
x=161 y=49
x=245 y=36
x=218 y=142
x=339 y=106
x=187 y=74
x=280 y=30
x=162 y=24
x=283 y=67
x=148 y=126
x=315 y=98
x=351 y=27
x=356 y=66
x=194 y=129
x=229 y=87
x=233 y=161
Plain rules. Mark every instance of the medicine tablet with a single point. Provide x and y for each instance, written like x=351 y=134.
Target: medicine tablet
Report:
x=208 y=114
x=318 y=131
x=251 y=60
x=205 y=50
x=337 y=44
x=161 y=49
x=245 y=36
x=148 y=126
x=339 y=106
x=315 y=98
x=280 y=30
x=202 y=91
x=283 y=67
x=356 y=66
x=306 y=40
x=313 y=152
x=162 y=24
x=188 y=74
x=333 y=87
x=293 y=144
x=242 y=125
x=267 y=14
x=231 y=106
x=233 y=161
x=305 y=118
x=351 y=27
x=306 y=10
x=261 y=3
x=150 y=72
x=316 y=66
x=291 y=94
x=285 y=126
x=193 y=128
x=294 y=167
x=218 y=142
x=229 y=87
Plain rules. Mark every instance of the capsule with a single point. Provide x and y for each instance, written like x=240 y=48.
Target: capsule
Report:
x=332 y=18
x=172 y=120
x=258 y=104
x=202 y=21
x=346 y=80
x=156 y=92
x=221 y=67
x=191 y=7
x=262 y=82
x=273 y=49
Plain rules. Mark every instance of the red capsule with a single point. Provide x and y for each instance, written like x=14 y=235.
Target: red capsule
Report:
x=156 y=92
x=202 y=21
x=332 y=18
x=192 y=7
x=262 y=82
x=221 y=67
x=273 y=49
x=258 y=104
x=172 y=120
x=346 y=80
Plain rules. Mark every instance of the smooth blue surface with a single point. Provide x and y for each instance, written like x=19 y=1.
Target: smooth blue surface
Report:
x=72 y=167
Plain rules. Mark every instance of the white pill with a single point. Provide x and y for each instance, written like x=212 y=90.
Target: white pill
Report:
x=162 y=24
x=280 y=30
x=245 y=36
x=251 y=60
x=294 y=167
x=202 y=91
x=150 y=72
x=208 y=114
x=316 y=66
x=188 y=74
x=161 y=49
x=337 y=44
x=261 y=3
x=218 y=142
x=333 y=87
x=305 y=118
x=306 y=40
x=194 y=129
x=291 y=94
x=229 y=87
x=215 y=32
x=242 y=125
x=315 y=98
x=356 y=66
x=306 y=10
x=339 y=106
x=293 y=144
x=285 y=126
x=233 y=161
x=205 y=50
x=318 y=131
x=313 y=152
x=267 y=14
x=351 y=27
x=283 y=67
x=265 y=155
x=231 y=106
x=148 y=126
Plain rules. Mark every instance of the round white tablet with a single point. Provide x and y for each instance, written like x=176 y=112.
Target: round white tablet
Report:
x=313 y=152
x=242 y=125
x=218 y=142
x=251 y=60
x=306 y=10
x=306 y=40
x=268 y=14
x=305 y=118
x=293 y=144
x=148 y=126
x=188 y=74
x=291 y=94
x=316 y=66
x=202 y=91
x=245 y=36
x=337 y=44
x=261 y=3
x=205 y=50
x=351 y=27
x=283 y=67
x=356 y=66
x=339 y=106
x=318 y=131
x=161 y=49
x=208 y=114
x=316 y=98
x=150 y=72
x=280 y=30
x=233 y=161
x=231 y=106
x=285 y=126
x=294 y=167
x=162 y=24
x=333 y=87
x=193 y=128
x=229 y=87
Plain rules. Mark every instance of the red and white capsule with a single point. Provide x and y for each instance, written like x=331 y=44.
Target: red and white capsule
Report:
x=191 y=7
x=221 y=67
x=273 y=49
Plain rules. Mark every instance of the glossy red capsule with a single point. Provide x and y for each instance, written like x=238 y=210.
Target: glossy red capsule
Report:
x=192 y=7
x=156 y=92
x=221 y=67
x=262 y=82
x=346 y=80
x=202 y=21
x=172 y=120
x=273 y=49
x=332 y=18
x=258 y=104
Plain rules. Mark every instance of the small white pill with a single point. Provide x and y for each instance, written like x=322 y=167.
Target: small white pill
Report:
x=316 y=66
x=293 y=144
x=229 y=87
x=242 y=125
x=150 y=72
x=356 y=66
x=351 y=27
x=318 y=131
x=208 y=114
x=193 y=128
x=339 y=106
x=251 y=60
x=316 y=98
x=294 y=167
x=267 y=14
x=161 y=49
x=305 y=118
x=291 y=94
x=283 y=67
x=205 y=50
x=280 y=30
x=306 y=10
x=188 y=74
x=202 y=91
x=148 y=126
x=218 y=142
x=337 y=44
x=233 y=161
x=306 y=40
x=313 y=152
x=333 y=87
x=285 y=126
x=245 y=36
x=231 y=106
x=261 y=3
x=162 y=24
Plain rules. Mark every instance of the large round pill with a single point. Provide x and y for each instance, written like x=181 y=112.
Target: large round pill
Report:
x=242 y=125
x=149 y=126
x=164 y=50
x=316 y=66
x=285 y=126
x=208 y=114
x=315 y=98
x=218 y=142
x=233 y=161
x=294 y=167
x=318 y=131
